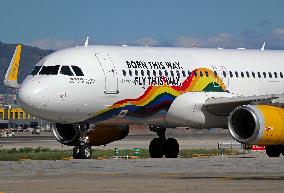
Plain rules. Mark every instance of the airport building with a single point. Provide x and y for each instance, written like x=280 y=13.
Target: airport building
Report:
x=12 y=116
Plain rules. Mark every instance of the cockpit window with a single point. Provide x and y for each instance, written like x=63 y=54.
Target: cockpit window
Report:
x=77 y=71
x=49 y=70
x=35 y=70
x=66 y=71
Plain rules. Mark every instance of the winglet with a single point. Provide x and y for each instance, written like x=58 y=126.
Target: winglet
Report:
x=11 y=77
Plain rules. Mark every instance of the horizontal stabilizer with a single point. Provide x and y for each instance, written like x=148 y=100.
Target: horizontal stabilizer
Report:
x=11 y=77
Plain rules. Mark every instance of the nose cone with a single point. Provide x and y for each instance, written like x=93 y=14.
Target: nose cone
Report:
x=32 y=96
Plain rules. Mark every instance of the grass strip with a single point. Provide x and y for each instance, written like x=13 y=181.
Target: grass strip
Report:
x=41 y=153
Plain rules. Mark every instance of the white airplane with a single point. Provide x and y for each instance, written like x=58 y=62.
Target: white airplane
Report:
x=93 y=94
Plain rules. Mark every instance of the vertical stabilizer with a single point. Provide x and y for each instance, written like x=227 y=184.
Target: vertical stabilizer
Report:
x=11 y=77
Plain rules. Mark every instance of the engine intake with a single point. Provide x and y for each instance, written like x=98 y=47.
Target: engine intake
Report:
x=257 y=124
x=66 y=134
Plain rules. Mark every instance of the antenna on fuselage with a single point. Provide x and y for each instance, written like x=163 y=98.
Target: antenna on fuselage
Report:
x=263 y=46
x=87 y=41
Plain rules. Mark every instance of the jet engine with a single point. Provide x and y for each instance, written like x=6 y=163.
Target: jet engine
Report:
x=69 y=134
x=257 y=124
x=66 y=134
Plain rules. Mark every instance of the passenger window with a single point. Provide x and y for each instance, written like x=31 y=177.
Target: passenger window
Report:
x=130 y=73
x=77 y=71
x=201 y=74
x=215 y=73
x=124 y=72
x=160 y=73
x=259 y=74
x=183 y=73
x=264 y=74
x=224 y=74
x=237 y=74
x=247 y=74
x=178 y=74
x=253 y=74
x=49 y=70
x=142 y=72
x=281 y=75
x=231 y=74
x=269 y=74
x=275 y=74
x=166 y=73
x=242 y=75
x=35 y=70
x=172 y=73
x=148 y=73
x=66 y=71
x=195 y=73
x=206 y=73
x=136 y=72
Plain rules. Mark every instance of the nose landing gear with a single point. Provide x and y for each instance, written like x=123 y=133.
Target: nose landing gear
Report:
x=83 y=150
x=161 y=146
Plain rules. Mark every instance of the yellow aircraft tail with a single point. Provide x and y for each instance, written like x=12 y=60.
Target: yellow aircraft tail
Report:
x=11 y=77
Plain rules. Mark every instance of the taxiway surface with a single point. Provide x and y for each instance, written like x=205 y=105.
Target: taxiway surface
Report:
x=230 y=174
x=249 y=173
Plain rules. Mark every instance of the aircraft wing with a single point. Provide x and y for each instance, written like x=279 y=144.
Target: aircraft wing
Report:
x=223 y=106
x=11 y=77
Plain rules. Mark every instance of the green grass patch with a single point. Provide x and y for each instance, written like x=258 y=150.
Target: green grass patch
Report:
x=55 y=154
x=33 y=154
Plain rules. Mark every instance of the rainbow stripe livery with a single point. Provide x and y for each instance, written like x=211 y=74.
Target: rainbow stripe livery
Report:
x=157 y=100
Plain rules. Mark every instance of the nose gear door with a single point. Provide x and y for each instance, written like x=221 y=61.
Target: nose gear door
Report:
x=110 y=73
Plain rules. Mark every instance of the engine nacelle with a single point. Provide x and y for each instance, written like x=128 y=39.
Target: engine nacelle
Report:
x=66 y=134
x=104 y=134
x=257 y=124
x=69 y=134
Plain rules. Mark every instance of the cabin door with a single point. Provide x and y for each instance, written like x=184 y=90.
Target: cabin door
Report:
x=110 y=73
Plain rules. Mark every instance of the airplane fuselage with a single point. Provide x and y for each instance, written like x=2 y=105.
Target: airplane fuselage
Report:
x=138 y=85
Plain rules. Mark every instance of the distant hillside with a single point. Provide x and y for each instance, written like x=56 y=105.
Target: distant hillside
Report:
x=29 y=57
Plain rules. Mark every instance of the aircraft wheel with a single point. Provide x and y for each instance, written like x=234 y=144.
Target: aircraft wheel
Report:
x=282 y=149
x=171 y=148
x=82 y=152
x=273 y=151
x=85 y=151
x=76 y=152
x=156 y=148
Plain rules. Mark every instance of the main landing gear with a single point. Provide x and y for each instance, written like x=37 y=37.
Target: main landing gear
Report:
x=162 y=146
x=274 y=150
x=83 y=150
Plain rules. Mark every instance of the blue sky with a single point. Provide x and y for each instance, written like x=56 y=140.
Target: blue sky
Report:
x=205 y=23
